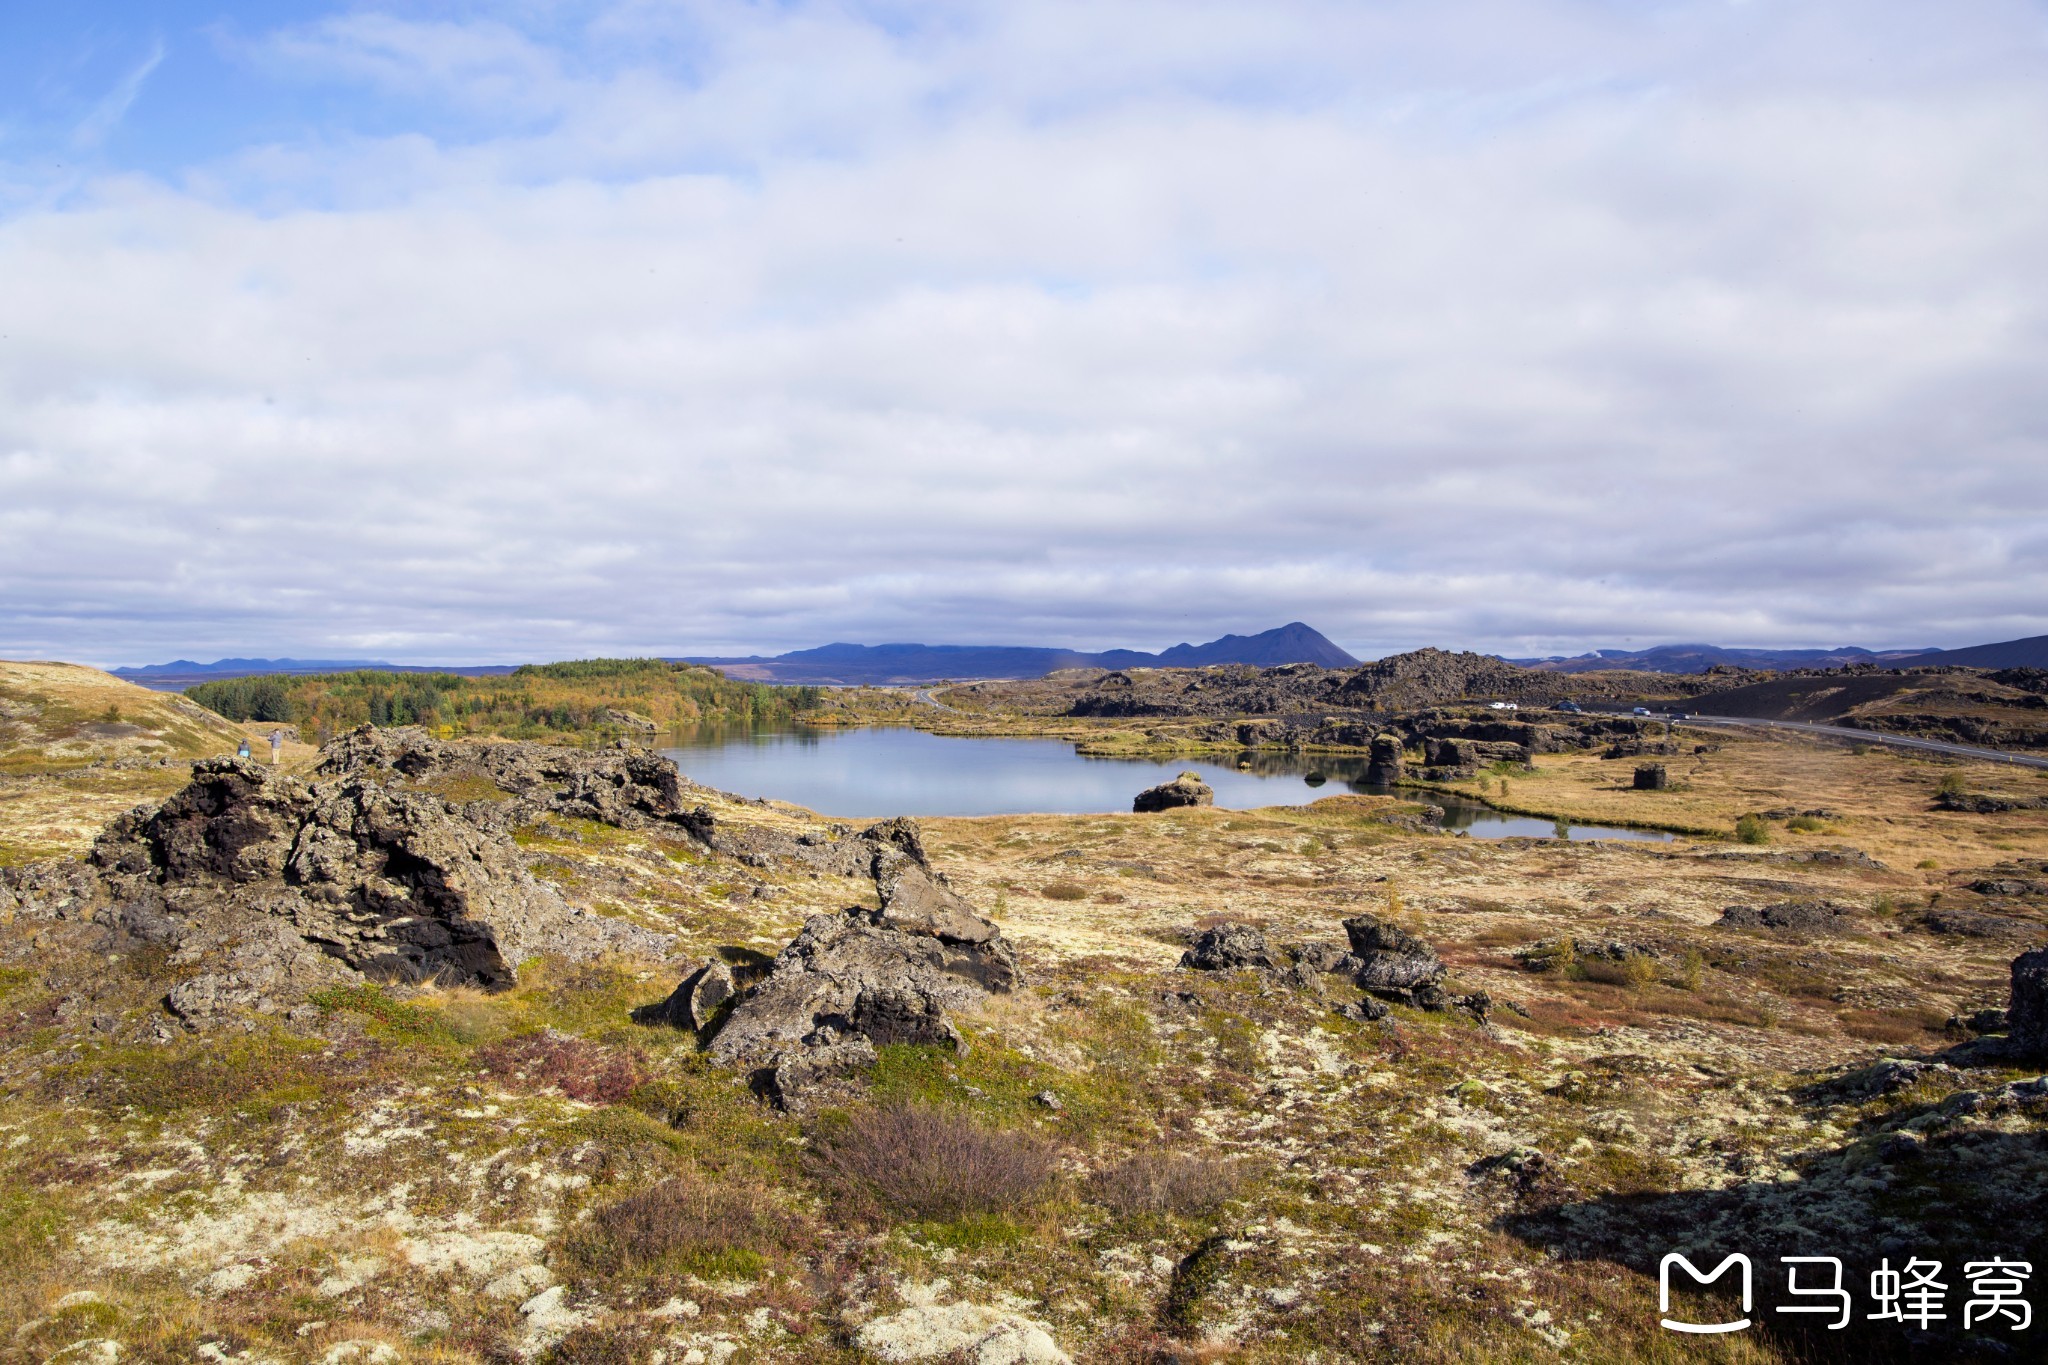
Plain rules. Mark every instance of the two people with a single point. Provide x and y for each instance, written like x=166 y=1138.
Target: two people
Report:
x=276 y=747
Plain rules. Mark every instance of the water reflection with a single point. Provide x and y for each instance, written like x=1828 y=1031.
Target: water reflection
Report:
x=880 y=771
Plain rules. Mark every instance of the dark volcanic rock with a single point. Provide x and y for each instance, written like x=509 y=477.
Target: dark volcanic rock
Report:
x=1391 y=958
x=863 y=978
x=848 y=976
x=2027 y=1016
x=1971 y=924
x=1652 y=777
x=383 y=881
x=692 y=1004
x=1383 y=763
x=623 y=786
x=273 y=886
x=1988 y=805
x=1229 y=947
x=2010 y=886
x=1796 y=917
x=1186 y=790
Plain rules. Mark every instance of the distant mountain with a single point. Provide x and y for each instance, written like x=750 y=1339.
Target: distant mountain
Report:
x=1293 y=643
x=1700 y=658
x=247 y=668
x=180 y=674
x=2031 y=652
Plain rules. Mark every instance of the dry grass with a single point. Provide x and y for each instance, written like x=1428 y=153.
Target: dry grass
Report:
x=920 y=1161
x=684 y=1224
x=1178 y=1183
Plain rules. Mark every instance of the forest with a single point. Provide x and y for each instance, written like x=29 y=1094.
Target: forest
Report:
x=581 y=700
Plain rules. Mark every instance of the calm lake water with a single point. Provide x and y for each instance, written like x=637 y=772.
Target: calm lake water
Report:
x=875 y=772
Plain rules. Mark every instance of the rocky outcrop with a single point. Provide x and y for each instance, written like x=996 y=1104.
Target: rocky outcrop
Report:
x=1970 y=804
x=1652 y=777
x=2026 y=1017
x=863 y=978
x=1791 y=917
x=1391 y=960
x=624 y=785
x=694 y=1003
x=1186 y=790
x=1383 y=763
x=1227 y=948
x=272 y=886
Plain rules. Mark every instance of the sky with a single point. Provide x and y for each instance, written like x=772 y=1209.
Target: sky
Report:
x=469 y=333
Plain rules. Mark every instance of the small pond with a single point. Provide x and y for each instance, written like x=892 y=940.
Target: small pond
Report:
x=875 y=772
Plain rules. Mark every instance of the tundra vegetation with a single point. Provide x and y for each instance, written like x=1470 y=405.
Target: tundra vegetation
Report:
x=1583 y=1055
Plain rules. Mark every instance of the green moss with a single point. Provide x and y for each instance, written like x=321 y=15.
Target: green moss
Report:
x=462 y=788
x=975 y=1232
x=389 y=1019
x=250 y=1076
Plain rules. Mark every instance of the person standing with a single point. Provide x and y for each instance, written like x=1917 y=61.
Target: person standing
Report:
x=276 y=746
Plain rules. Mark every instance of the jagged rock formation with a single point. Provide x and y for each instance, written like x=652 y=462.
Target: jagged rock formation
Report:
x=622 y=786
x=1228 y=947
x=2027 y=1016
x=1383 y=767
x=1385 y=961
x=1186 y=790
x=1391 y=960
x=1652 y=777
x=694 y=1003
x=864 y=977
x=274 y=886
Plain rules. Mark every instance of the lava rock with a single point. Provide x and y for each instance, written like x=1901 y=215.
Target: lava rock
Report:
x=862 y=978
x=2027 y=1015
x=695 y=1001
x=1383 y=761
x=1793 y=917
x=1228 y=947
x=1186 y=790
x=1652 y=777
x=1391 y=958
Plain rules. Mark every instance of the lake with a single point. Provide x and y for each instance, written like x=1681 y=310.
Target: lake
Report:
x=874 y=772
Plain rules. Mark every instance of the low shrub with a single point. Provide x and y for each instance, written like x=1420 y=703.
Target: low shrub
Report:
x=1064 y=891
x=577 y=1067
x=1750 y=829
x=1805 y=824
x=685 y=1224
x=930 y=1162
x=1178 y=1183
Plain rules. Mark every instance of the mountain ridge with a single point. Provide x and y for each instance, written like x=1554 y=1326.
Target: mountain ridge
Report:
x=1295 y=642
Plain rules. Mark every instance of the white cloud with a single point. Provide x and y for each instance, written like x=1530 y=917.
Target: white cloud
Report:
x=723 y=326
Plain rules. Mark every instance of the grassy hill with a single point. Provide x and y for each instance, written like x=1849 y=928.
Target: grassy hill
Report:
x=55 y=715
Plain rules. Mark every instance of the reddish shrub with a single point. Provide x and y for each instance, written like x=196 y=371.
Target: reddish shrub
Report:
x=1167 y=1182
x=928 y=1162
x=683 y=1220
x=577 y=1067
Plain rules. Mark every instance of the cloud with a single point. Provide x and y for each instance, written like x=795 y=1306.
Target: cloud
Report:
x=106 y=114
x=723 y=327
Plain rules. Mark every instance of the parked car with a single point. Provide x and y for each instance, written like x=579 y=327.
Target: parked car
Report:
x=1641 y=711
x=1570 y=706
x=1502 y=706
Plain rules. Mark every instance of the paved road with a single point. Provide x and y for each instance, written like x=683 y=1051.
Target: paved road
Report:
x=924 y=694
x=1875 y=737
